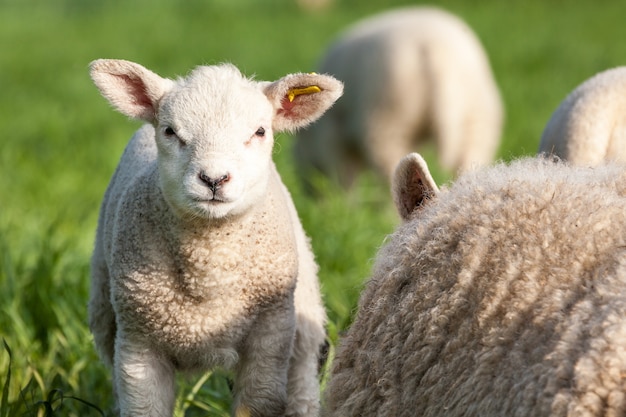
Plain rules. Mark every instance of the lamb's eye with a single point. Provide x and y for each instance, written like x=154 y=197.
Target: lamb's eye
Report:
x=260 y=132
x=169 y=132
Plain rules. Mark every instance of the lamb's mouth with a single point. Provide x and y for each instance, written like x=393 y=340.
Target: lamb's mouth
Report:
x=210 y=201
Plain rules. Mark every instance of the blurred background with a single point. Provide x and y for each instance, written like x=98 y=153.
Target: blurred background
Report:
x=61 y=142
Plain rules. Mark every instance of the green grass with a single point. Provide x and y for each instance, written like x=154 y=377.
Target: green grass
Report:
x=61 y=141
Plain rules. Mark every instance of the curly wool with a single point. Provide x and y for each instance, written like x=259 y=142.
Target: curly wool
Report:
x=506 y=295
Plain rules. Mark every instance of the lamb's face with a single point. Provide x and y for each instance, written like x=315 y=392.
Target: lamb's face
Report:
x=214 y=139
x=214 y=128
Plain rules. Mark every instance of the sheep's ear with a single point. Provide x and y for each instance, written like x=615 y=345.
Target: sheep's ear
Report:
x=300 y=99
x=132 y=89
x=412 y=185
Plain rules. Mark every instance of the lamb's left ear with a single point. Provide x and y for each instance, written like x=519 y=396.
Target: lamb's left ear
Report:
x=412 y=185
x=300 y=99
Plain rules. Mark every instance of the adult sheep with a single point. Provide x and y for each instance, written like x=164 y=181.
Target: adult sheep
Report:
x=589 y=126
x=200 y=259
x=410 y=74
x=504 y=295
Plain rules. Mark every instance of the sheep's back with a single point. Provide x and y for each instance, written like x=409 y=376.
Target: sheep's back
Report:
x=589 y=125
x=504 y=297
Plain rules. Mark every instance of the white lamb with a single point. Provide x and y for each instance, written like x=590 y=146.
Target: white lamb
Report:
x=504 y=295
x=200 y=259
x=410 y=75
x=589 y=126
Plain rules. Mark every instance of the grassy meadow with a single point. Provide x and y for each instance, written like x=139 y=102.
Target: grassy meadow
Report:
x=62 y=142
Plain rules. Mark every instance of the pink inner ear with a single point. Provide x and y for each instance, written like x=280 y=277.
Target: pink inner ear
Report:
x=138 y=91
x=286 y=106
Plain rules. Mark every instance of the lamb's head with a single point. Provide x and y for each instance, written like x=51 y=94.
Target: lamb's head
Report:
x=214 y=128
x=412 y=185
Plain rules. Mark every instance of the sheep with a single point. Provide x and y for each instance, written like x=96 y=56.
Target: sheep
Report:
x=200 y=260
x=589 y=126
x=503 y=294
x=410 y=74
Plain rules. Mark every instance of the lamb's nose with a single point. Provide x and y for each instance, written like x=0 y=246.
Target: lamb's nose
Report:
x=214 y=184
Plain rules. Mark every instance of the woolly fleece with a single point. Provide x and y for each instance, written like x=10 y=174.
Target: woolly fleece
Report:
x=504 y=295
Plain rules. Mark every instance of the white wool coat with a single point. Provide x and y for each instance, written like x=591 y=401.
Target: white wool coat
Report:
x=502 y=295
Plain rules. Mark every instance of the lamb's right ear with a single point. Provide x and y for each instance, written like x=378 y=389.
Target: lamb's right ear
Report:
x=412 y=185
x=132 y=89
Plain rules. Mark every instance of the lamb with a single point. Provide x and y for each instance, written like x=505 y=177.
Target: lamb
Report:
x=200 y=260
x=410 y=74
x=589 y=126
x=502 y=295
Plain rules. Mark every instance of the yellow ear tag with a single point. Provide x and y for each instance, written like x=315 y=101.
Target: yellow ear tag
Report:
x=291 y=94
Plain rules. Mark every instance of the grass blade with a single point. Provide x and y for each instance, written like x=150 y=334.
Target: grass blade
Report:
x=88 y=404
x=4 y=402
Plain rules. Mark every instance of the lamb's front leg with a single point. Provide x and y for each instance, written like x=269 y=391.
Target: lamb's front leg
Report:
x=261 y=375
x=144 y=381
x=303 y=389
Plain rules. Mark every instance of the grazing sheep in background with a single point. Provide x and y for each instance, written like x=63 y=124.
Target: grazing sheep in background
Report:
x=200 y=259
x=504 y=295
x=410 y=74
x=589 y=126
